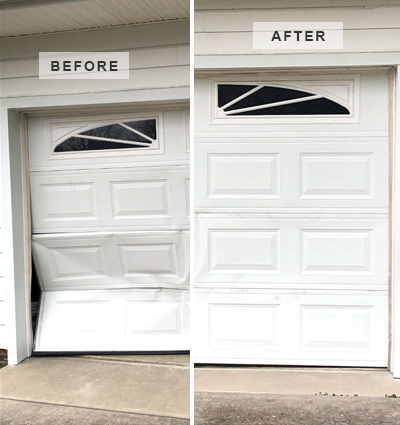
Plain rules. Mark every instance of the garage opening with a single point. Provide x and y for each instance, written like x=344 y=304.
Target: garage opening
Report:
x=110 y=231
x=35 y=298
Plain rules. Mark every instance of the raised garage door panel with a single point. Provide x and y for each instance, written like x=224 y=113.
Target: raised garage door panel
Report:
x=325 y=328
x=288 y=251
x=110 y=230
x=308 y=173
x=106 y=199
x=291 y=225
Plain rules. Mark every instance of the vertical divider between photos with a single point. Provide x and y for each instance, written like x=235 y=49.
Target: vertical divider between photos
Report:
x=191 y=209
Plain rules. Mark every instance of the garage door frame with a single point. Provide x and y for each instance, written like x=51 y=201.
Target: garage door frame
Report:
x=16 y=210
x=394 y=233
x=17 y=236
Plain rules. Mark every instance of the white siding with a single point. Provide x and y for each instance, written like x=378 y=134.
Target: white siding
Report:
x=159 y=62
x=224 y=39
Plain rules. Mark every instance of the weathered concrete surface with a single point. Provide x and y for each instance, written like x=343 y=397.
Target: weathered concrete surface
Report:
x=28 y=413
x=151 y=389
x=264 y=409
x=305 y=381
x=170 y=359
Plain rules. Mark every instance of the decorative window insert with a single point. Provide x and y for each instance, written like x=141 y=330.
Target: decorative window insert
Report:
x=287 y=100
x=129 y=134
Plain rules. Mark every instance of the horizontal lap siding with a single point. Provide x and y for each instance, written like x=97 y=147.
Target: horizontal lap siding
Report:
x=156 y=57
x=159 y=59
x=223 y=33
x=241 y=43
x=101 y=40
x=354 y=18
x=150 y=78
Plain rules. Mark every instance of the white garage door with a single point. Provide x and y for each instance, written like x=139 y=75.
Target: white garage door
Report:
x=291 y=202
x=110 y=231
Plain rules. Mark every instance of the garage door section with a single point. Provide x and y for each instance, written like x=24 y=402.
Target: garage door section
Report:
x=110 y=224
x=291 y=206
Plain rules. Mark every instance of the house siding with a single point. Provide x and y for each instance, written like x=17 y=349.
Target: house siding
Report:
x=159 y=60
x=224 y=39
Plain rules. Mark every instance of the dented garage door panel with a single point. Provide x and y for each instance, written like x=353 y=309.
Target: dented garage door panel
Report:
x=110 y=224
x=291 y=224
x=112 y=261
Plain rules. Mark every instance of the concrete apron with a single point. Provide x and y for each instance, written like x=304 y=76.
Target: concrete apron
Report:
x=151 y=386
x=296 y=381
x=266 y=409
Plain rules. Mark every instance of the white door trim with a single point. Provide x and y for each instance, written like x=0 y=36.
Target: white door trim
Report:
x=16 y=236
x=395 y=354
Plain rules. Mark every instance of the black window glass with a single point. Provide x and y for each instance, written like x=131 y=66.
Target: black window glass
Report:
x=268 y=95
x=78 y=144
x=320 y=106
x=129 y=132
x=229 y=92
x=147 y=127
x=305 y=103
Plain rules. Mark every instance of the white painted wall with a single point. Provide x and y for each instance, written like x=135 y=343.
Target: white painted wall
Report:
x=159 y=74
x=224 y=39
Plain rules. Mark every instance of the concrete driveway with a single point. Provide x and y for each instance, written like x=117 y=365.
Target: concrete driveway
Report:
x=295 y=396
x=96 y=390
x=265 y=409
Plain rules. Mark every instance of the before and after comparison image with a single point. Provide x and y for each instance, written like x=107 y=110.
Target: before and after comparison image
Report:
x=200 y=212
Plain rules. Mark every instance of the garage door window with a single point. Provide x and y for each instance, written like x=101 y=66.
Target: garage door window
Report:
x=140 y=134
x=259 y=100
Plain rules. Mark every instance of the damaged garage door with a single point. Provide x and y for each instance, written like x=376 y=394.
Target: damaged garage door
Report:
x=110 y=231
